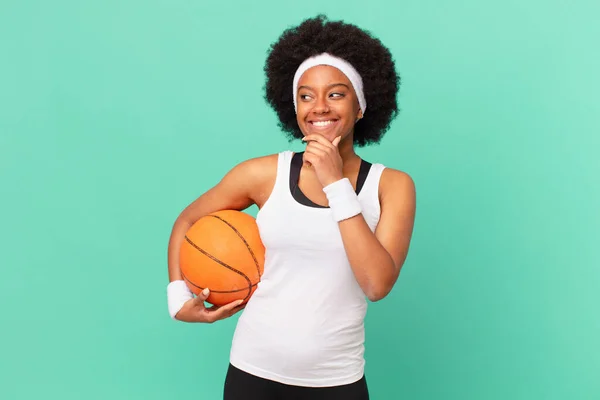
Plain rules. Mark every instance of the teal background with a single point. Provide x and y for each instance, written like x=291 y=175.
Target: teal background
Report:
x=114 y=115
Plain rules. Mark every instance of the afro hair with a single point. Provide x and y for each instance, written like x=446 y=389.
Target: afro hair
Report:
x=366 y=53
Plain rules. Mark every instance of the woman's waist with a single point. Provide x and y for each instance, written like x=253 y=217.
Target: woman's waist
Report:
x=299 y=342
x=290 y=320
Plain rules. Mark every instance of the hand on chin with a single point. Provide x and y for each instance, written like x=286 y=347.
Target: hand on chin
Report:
x=323 y=155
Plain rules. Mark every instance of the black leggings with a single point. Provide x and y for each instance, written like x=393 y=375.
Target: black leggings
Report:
x=240 y=385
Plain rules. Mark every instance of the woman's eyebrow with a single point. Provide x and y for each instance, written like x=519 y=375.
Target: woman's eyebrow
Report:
x=328 y=86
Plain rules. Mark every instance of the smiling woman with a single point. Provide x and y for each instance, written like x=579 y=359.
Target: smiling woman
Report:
x=336 y=228
x=365 y=64
x=328 y=105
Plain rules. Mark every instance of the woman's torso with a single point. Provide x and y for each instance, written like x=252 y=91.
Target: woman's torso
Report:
x=304 y=323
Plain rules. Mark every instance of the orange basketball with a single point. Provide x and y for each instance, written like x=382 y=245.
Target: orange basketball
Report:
x=223 y=251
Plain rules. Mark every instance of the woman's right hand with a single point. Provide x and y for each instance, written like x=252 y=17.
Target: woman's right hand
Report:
x=194 y=310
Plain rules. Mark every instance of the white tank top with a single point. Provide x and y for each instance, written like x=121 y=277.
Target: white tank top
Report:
x=304 y=323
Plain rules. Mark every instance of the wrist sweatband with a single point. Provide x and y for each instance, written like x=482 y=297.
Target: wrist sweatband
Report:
x=343 y=200
x=177 y=294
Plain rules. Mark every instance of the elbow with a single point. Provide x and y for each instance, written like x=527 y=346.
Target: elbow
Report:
x=377 y=291
x=374 y=294
x=373 y=298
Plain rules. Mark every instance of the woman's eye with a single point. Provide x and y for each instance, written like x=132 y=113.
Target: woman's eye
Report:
x=306 y=97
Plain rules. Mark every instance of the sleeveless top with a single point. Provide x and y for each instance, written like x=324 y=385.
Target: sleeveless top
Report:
x=304 y=324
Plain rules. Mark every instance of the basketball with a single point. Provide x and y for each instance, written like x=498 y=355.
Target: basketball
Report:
x=223 y=251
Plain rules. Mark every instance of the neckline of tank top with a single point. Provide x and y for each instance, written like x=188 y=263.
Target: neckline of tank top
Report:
x=300 y=197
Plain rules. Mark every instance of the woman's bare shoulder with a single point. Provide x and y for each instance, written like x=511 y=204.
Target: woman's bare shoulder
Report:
x=260 y=164
x=257 y=176
x=396 y=185
x=256 y=169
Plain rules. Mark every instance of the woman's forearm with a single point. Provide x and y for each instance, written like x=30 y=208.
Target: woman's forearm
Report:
x=373 y=266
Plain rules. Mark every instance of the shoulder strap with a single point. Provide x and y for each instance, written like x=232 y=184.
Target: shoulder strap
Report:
x=296 y=166
x=363 y=172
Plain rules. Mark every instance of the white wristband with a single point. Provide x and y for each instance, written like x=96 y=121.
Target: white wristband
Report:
x=343 y=200
x=177 y=294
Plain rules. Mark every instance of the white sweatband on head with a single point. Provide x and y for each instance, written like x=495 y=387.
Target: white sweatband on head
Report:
x=177 y=294
x=342 y=65
x=343 y=200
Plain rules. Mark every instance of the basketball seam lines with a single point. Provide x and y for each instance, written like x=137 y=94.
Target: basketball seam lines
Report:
x=221 y=263
x=243 y=240
x=215 y=291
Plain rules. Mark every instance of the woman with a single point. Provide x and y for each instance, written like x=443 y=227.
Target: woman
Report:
x=336 y=228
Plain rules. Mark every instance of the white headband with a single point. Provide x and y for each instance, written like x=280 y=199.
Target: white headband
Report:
x=342 y=65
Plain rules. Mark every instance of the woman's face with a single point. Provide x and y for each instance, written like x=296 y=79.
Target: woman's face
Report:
x=326 y=103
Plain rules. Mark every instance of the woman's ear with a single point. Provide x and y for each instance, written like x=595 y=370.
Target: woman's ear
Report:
x=359 y=115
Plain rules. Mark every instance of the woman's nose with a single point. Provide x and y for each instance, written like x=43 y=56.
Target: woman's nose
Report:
x=321 y=106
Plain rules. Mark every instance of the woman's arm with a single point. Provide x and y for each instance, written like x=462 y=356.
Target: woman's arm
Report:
x=376 y=258
x=245 y=184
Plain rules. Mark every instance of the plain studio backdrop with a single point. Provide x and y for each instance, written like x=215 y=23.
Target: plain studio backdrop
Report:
x=114 y=115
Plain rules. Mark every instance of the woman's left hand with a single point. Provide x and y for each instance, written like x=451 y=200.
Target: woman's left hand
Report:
x=324 y=157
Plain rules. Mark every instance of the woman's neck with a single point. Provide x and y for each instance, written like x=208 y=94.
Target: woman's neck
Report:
x=346 y=150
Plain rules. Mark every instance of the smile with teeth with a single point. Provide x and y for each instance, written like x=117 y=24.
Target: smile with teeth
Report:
x=323 y=123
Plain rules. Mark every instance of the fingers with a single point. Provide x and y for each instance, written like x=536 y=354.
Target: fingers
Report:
x=311 y=159
x=312 y=151
x=217 y=313
x=194 y=310
x=202 y=296
x=231 y=306
x=318 y=149
x=227 y=306
x=236 y=309
x=319 y=139
x=316 y=152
